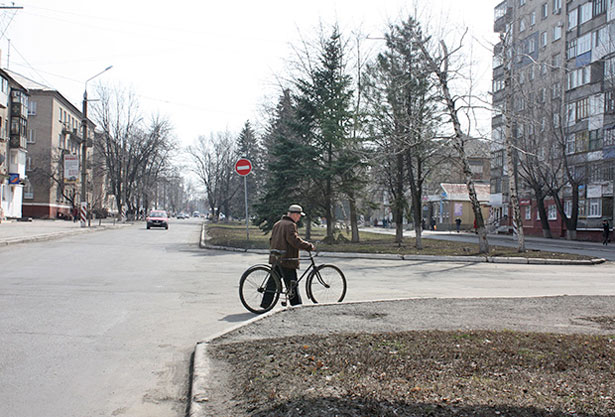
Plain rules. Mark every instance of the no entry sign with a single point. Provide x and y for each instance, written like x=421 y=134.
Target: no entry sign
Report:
x=243 y=167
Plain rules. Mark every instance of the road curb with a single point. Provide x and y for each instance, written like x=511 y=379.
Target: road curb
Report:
x=428 y=258
x=200 y=383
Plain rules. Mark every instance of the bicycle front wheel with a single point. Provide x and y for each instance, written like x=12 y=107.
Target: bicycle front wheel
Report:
x=259 y=289
x=326 y=284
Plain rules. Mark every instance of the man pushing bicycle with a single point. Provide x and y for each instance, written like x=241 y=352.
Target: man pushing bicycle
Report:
x=285 y=240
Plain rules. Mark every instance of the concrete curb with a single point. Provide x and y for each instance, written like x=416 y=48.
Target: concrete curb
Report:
x=200 y=382
x=429 y=258
x=58 y=235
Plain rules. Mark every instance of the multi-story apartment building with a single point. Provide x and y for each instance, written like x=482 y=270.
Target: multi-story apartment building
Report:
x=13 y=153
x=55 y=146
x=557 y=93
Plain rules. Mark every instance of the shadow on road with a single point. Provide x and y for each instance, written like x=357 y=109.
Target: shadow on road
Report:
x=236 y=318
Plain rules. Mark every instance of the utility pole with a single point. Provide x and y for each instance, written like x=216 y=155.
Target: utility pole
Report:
x=84 y=172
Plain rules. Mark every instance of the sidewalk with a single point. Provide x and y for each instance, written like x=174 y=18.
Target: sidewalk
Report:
x=14 y=232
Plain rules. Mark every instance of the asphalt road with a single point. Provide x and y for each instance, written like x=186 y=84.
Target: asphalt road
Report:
x=103 y=324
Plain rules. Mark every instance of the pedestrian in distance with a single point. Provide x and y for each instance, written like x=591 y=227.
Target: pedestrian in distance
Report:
x=458 y=224
x=605 y=232
x=285 y=238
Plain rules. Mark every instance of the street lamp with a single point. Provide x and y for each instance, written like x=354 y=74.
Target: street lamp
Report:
x=84 y=172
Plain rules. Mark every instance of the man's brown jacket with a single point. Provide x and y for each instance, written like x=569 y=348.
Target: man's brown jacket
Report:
x=284 y=237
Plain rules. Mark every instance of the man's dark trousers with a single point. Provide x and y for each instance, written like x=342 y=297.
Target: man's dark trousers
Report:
x=288 y=275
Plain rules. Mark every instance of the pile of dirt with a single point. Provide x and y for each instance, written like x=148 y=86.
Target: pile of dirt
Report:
x=421 y=373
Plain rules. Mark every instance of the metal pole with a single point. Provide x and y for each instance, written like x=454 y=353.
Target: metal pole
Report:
x=245 y=187
x=84 y=151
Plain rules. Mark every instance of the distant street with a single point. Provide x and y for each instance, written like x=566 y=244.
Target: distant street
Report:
x=103 y=324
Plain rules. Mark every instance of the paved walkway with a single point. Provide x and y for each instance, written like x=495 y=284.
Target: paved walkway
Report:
x=578 y=247
x=13 y=232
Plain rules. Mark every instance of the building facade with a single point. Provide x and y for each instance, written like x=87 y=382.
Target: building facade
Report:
x=553 y=76
x=13 y=145
x=53 y=189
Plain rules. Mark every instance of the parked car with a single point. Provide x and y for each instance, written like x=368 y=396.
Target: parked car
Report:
x=157 y=218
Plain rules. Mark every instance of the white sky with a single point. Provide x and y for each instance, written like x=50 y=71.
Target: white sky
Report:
x=207 y=65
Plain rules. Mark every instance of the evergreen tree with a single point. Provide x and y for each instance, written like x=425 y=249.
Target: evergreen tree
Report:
x=287 y=166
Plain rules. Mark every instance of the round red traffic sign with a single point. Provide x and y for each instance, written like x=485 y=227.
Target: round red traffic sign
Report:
x=243 y=167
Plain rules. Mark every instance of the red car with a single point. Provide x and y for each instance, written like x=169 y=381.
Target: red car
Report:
x=157 y=218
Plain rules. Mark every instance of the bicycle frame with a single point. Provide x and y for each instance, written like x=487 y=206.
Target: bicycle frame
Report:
x=312 y=266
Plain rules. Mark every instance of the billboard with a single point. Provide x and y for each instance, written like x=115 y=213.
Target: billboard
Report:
x=71 y=168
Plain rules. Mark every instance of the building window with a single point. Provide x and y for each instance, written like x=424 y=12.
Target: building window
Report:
x=556 y=121
x=568 y=208
x=581 y=141
x=556 y=90
x=556 y=61
x=570 y=144
x=543 y=39
x=521 y=3
x=528 y=213
x=557 y=6
x=552 y=212
x=532 y=18
x=599 y=7
x=582 y=209
x=28 y=163
x=584 y=44
x=595 y=207
x=557 y=32
x=544 y=10
x=608 y=137
x=521 y=25
x=586 y=13
x=31 y=136
x=32 y=108
x=582 y=109
x=595 y=140
x=609 y=101
x=571 y=51
x=573 y=17
x=537 y=214
x=28 y=191
x=531 y=46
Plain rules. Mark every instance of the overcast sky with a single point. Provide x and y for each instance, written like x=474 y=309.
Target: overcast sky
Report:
x=207 y=66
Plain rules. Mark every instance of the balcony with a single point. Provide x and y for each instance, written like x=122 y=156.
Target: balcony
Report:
x=18 y=142
x=502 y=16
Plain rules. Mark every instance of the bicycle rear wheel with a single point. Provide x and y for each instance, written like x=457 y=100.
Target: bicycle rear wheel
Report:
x=326 y=284
x=259 y=289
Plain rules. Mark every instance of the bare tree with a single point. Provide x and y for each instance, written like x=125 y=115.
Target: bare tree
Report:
x=213 y=163
x=439 y=65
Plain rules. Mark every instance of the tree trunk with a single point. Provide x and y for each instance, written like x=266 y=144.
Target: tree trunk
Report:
x=417 y=214
x=308 y=228
x=442 y=74
x=354 y=224
x=544 y=221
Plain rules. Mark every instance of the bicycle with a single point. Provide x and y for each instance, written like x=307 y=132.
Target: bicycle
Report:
x=260 y=286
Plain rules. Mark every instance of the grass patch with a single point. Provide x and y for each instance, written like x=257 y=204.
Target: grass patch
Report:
x=423 y=373
x=234 y=235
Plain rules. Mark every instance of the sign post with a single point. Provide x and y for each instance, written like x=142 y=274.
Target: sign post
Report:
x=243 y=167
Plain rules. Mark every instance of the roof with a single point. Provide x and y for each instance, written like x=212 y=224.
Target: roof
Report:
x=459 y=192
x=35 y=87
x=27 y=82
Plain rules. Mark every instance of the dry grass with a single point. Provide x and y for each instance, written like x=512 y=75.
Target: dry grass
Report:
x=423 y=373
x=234 y=235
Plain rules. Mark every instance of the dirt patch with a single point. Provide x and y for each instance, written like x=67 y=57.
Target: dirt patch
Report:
x=422 y=373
